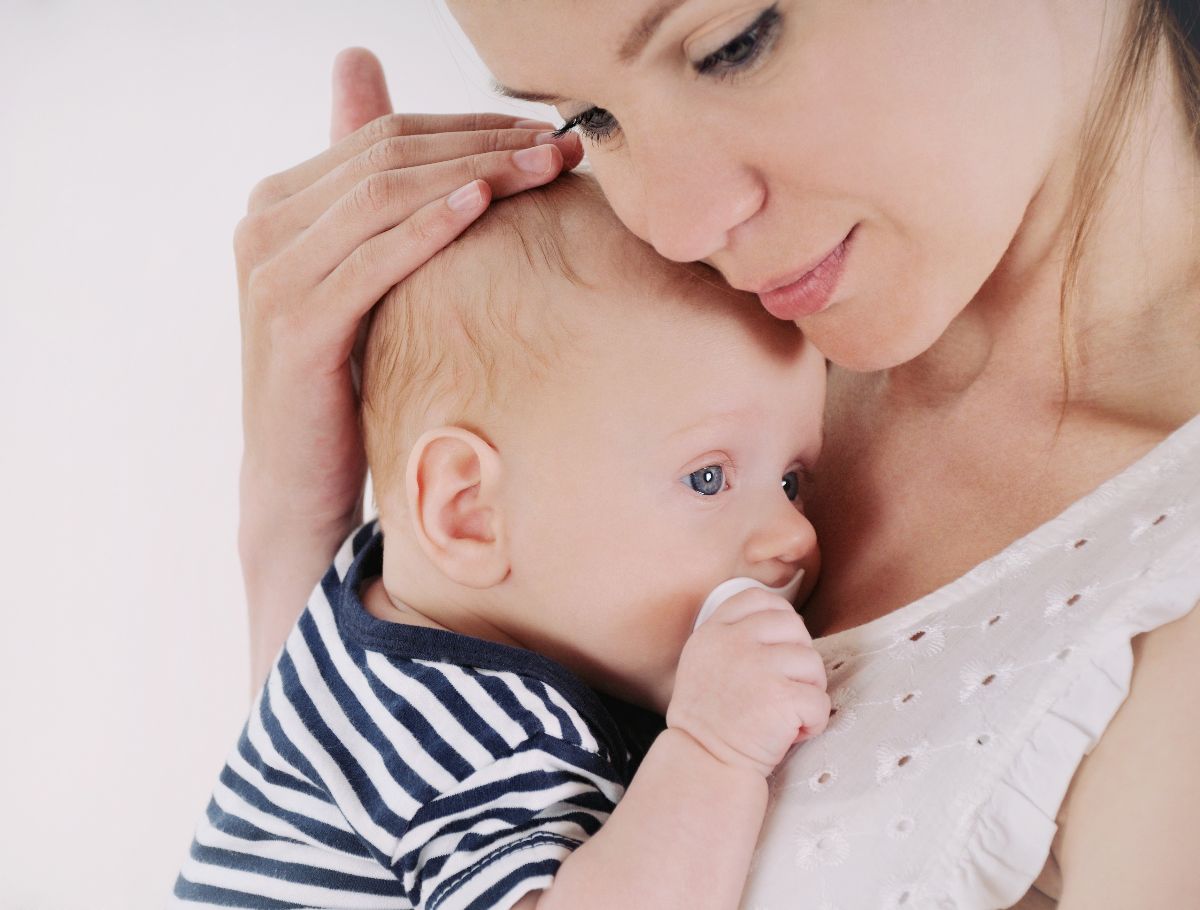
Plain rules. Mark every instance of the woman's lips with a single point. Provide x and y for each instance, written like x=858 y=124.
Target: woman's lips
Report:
x=808 y=292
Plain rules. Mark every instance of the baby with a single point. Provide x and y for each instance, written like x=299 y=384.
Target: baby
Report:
x=572 y=441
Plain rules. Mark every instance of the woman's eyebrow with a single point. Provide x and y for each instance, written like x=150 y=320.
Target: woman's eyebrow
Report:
x=522 y=95
x=641 y=34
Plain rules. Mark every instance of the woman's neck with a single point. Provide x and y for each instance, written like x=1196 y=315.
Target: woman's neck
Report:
x=935 y=465
x=1131 y=334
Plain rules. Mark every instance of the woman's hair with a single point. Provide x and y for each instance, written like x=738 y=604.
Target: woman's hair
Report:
x=1181 y=21
x=1170 y=26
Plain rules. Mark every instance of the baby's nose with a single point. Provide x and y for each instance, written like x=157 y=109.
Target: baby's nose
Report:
x=786 y=540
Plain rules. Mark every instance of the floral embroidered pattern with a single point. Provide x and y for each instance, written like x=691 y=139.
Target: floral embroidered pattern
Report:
x=958 y=721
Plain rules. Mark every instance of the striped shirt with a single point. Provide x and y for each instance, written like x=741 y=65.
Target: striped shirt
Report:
x=393 y=766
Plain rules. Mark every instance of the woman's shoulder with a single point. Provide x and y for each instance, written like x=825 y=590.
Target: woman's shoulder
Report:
x=1134 y=801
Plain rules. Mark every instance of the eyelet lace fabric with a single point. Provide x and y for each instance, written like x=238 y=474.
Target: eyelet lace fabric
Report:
x=959 y=720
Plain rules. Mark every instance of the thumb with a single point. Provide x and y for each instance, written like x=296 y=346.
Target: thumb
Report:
x=359 y=92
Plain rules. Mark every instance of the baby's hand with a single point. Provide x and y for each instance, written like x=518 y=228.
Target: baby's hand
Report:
x=749 y=683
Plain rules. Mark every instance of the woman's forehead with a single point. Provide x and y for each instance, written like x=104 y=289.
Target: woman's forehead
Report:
x=534 y=47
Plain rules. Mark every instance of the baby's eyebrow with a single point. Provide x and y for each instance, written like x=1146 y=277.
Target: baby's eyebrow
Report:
x=718 y=419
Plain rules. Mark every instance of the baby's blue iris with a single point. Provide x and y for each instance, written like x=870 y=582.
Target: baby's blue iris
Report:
x=708 y=481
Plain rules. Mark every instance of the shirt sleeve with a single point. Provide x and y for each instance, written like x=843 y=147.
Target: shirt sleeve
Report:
x=504 y=830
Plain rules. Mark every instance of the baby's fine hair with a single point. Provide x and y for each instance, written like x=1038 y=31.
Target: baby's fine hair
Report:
x=486 y=317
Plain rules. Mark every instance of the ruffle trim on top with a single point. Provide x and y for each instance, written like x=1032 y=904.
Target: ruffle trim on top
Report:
x=1013 y=826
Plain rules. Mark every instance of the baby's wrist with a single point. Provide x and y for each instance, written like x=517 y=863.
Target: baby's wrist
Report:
x=723 y=761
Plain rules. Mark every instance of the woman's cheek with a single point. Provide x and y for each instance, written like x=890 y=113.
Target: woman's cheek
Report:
x=899 y=295
x=618 y=179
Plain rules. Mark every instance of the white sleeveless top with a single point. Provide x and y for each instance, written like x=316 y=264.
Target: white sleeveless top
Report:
x=959 y=719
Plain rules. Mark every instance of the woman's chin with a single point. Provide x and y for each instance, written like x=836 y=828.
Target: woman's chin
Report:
x=865 y=334
x=864 y=348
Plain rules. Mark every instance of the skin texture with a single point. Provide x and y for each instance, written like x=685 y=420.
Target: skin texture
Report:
x=1130 y=817
x=948 y=137
x=933 y=169
x=511 y=530
x=958 y=194
x=949 y=429
x=569 y=523
x=320 y=243
x=956 y=316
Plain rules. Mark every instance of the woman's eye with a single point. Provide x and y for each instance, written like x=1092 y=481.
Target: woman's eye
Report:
x=708 y=481
x=791 y=485
x=741 y=53
x=595 y=124
x=746 y=48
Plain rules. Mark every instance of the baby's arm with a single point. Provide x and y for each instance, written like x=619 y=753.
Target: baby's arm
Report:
x=748 y=682
x=682 y=836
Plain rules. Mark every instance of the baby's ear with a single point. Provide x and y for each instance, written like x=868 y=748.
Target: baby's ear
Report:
x=453 y=490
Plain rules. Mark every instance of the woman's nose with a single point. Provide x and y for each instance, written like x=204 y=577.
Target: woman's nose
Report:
x=687 y=198
x=786 y=538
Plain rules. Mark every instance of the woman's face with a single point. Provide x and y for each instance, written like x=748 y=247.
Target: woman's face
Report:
x=758 y=137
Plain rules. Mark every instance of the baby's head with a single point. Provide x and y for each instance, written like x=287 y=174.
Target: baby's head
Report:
x=572 y=440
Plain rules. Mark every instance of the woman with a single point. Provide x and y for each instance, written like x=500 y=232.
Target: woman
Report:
x=985 y=216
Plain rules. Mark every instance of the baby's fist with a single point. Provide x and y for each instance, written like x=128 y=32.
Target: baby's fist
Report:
x=749 y=683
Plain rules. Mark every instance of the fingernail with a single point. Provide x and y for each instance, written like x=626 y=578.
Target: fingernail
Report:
x=535 y=160
x=532 y=125
x=550 y=137
x=466 y=198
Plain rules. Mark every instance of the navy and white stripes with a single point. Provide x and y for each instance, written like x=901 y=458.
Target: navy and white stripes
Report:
x=394 y=766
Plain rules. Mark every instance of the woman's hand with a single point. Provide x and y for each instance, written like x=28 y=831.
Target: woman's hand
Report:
x=320 y=244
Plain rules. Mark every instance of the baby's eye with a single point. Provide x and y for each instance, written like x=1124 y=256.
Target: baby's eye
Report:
x=708 y=481
x=791 y=485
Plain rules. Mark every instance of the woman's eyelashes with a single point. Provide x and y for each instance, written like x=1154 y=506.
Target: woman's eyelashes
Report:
x=737 y=56
x=595 y=124
x=746 y=50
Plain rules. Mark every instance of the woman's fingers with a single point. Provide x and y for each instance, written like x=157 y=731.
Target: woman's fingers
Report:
x=386 y=199
x=387 y=258
x=360 y=92
x=287 y=183
x=299 y=211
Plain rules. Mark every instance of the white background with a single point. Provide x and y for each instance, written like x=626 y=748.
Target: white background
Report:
x=130 y=136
